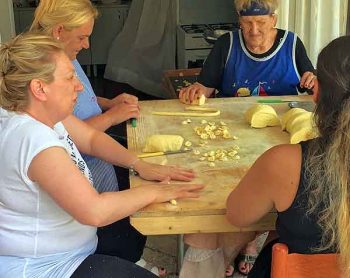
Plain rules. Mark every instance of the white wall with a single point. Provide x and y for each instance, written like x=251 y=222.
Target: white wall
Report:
x=7 y=25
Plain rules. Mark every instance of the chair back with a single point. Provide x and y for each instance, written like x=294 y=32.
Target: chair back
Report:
x=285 y=265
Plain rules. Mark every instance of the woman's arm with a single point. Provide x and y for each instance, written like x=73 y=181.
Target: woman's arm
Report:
x=304 y=67
x=271 y=182
x=213 y=69
x=56 y=173
x=96 y=143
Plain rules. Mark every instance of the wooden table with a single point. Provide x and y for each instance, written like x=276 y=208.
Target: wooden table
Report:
x=207 y=213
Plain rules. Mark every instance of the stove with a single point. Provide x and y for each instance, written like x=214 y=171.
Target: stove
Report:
x=192 y=48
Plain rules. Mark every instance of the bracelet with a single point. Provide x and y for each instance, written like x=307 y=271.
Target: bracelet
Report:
x=132 y=167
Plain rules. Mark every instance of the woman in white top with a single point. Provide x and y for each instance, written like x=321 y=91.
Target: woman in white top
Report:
x=48 y=226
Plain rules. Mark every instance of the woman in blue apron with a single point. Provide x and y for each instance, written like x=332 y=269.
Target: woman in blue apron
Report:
x=256 y=60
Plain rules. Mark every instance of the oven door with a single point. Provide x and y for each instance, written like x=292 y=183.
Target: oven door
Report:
x=193 y=58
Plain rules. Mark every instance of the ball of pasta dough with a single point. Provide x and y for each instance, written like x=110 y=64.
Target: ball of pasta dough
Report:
x=262 y=115
x=299 y=123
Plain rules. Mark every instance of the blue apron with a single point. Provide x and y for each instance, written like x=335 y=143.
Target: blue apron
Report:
x=274 y=75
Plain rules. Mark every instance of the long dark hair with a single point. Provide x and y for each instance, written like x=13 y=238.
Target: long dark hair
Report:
x=328 y=157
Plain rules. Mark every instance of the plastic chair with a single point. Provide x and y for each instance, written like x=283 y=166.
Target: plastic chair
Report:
x=293 y=265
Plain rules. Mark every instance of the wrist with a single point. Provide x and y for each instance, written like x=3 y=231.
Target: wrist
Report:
x=133 y=165
x=109 y=118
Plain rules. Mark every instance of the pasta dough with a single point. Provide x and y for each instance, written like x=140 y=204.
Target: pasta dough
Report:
x=163 y=143
x=262 y=115
x=288 y=115
x=199 y=101
x=203 y=112
x=299 y=123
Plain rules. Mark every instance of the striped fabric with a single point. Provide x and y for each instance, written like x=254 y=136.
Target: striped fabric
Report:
x=103 y=175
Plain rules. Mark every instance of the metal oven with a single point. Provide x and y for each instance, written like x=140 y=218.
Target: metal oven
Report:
x=194 y=18
x=192 y=48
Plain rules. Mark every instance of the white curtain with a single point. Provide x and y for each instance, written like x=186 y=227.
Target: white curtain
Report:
x=145 y=47
x=316 y=22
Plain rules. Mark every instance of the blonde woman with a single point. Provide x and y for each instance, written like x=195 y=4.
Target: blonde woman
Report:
x=71 y=23
x=312 y=195
x=49 y=209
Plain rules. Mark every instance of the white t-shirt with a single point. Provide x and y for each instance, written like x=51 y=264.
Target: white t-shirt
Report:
x=36 y=235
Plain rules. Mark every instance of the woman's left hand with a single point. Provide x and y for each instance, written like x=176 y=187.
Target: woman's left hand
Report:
x=124 y=98
x=307 y=80
x=151 y=171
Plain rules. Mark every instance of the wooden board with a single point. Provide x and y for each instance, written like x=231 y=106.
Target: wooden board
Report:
x=219 y=181
x=174 y=80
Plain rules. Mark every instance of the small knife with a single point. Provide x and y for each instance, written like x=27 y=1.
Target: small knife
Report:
x=143 y=155
x=272 y=100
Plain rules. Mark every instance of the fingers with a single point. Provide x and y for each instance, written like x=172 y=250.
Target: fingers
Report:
x=182 y=175
x=183 y=95
x=125 y=98
x=188 y=190
x=130 y=99
x=166 y=180
x=307 y=80
x=189 y=94
x=179 y=174
x=122 y=112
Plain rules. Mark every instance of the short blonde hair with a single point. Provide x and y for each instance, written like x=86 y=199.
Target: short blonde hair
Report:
x=271 y=5
x=70 y=13
x=24 y=58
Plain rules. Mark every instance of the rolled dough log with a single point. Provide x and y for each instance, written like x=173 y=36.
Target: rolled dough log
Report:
x=163 y=143
x=262 y=115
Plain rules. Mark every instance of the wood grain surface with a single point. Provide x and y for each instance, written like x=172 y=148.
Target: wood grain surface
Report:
x=207 y=213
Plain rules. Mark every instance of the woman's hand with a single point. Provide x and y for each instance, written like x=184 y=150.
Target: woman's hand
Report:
x=151 y=171
x=124 y=98
x=307 y=80
x=121 y=112
x=189 y=94
x=167 y=192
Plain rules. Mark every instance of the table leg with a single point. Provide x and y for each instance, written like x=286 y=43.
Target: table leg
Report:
x=180 y=251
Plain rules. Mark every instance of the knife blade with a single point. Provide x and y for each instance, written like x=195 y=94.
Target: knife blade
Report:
x=307 y=105
x=143 y=155
x=272 y=100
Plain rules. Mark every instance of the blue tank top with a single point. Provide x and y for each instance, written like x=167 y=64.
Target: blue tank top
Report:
x=274 y=75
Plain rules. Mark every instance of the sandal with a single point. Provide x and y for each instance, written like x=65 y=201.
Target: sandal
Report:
x=247 y=259
x=159 y=271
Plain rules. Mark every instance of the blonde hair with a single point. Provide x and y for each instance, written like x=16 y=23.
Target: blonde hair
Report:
x=328 y=158
x=271 y=5
x=24 y=58
x=70 y=13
